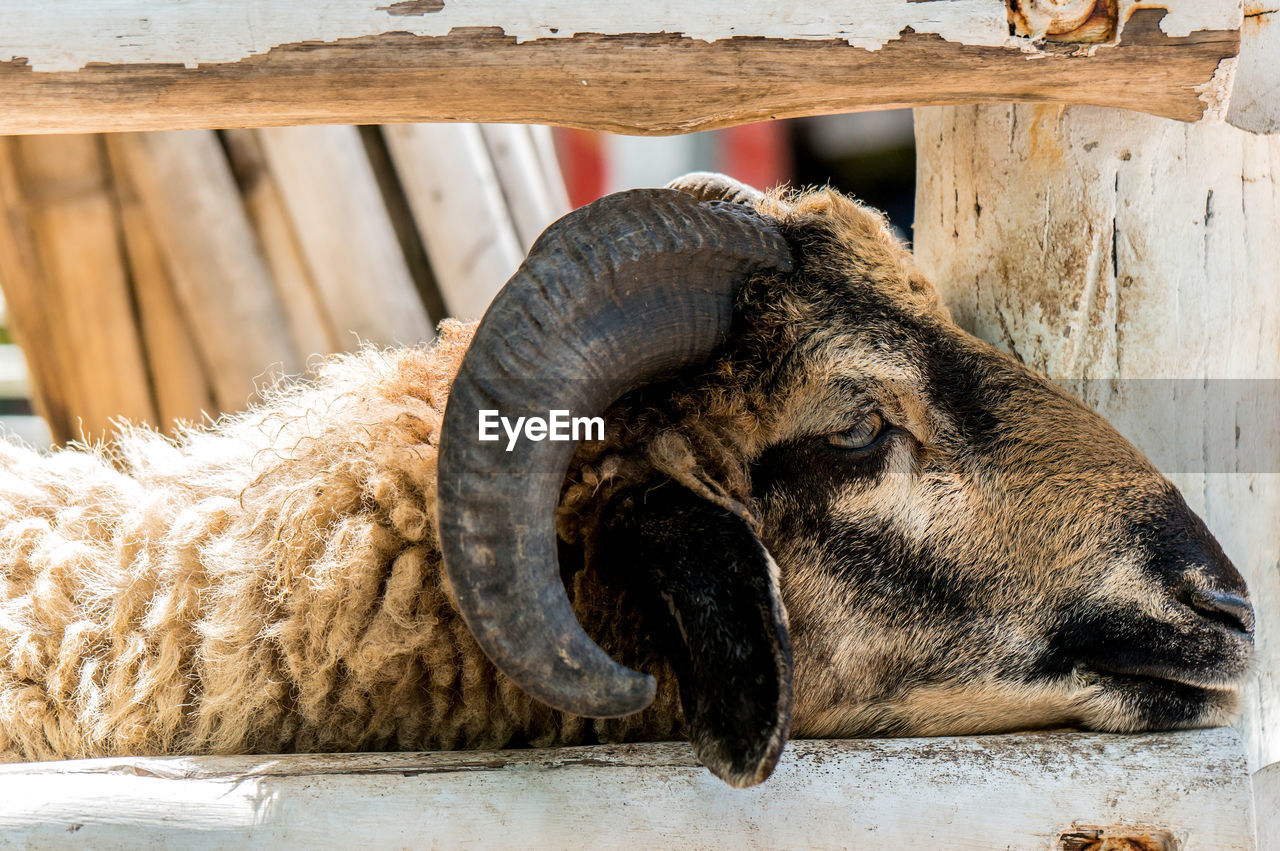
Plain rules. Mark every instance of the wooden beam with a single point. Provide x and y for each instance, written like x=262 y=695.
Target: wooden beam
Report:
x=627 y=67
x=83 y=337
x=1044 y=790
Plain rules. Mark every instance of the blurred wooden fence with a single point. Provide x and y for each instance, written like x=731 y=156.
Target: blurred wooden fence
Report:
x=162 y=277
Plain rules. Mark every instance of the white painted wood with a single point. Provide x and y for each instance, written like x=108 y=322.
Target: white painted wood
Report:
x=1266 y=805
x=459 y=210
x=1255 y=98
x=216 y=31
x=531 y=206
x=332 y=196
x=544 y=146
x=1100 y=245
x=983 y=792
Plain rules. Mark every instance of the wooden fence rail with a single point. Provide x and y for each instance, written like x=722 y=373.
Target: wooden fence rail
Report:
x=1046 y=790
x=629 y=67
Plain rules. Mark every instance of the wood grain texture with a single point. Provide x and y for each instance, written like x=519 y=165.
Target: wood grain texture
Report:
x=346 y=235
x=1136 y=261
x=178 y=383
x=88 y=336
x=194 y=208
x=458 y=206
x=30 y=313
x=526 y=187
x=1168 y=61
x=308 y=321
x=993 y=791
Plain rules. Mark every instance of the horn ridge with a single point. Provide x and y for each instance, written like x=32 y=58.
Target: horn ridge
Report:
x=714 y=186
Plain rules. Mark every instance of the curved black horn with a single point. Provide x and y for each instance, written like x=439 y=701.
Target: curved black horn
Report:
x=713 y=186
x=628 y=289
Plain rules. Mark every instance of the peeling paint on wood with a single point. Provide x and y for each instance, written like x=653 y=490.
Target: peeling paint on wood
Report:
x=642 y=82
x=207 y=32
x=891 y=793
x=1255 y=99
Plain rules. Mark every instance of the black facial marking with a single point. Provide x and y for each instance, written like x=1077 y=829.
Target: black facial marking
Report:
x=899 y=584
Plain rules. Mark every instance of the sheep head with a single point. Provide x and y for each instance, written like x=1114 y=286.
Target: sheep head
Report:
x=852 y=517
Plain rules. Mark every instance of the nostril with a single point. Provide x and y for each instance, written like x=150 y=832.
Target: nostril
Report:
x=1230 y=610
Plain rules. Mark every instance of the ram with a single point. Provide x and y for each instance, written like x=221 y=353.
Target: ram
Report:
x=819 y=509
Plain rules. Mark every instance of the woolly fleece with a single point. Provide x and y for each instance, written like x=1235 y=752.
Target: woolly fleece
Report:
x=269 y=583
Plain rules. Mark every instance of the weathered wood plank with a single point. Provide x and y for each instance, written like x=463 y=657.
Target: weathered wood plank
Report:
x=178 y=382
x=545 y=147
x=31 y=315
x=308 y=321
x=519 y=166
x=459 y=210
x=332 y=196
x=629 y=67
x=70 y=209
x=195 y=210
x=1022 y=791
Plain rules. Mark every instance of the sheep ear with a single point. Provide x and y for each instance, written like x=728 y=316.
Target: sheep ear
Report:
x=714 y=588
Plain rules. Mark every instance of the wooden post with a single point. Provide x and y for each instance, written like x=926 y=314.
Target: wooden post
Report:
x=1097 y=245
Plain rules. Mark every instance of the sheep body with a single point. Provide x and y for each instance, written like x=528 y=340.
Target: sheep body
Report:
x=269 y=584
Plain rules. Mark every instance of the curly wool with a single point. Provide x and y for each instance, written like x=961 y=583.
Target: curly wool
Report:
x=271 y=583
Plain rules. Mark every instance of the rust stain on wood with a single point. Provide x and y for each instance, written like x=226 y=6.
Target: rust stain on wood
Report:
x=1117 y=839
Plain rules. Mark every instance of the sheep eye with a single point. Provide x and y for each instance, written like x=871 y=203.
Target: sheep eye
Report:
x=864 y=435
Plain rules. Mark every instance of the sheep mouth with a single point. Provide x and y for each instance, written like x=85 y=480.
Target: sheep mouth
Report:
x=1158 y=675
x=1134 y=700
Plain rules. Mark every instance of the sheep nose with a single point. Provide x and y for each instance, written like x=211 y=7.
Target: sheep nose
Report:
x=1230 y=610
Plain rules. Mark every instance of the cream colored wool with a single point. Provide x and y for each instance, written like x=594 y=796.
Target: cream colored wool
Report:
x=270 y=583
